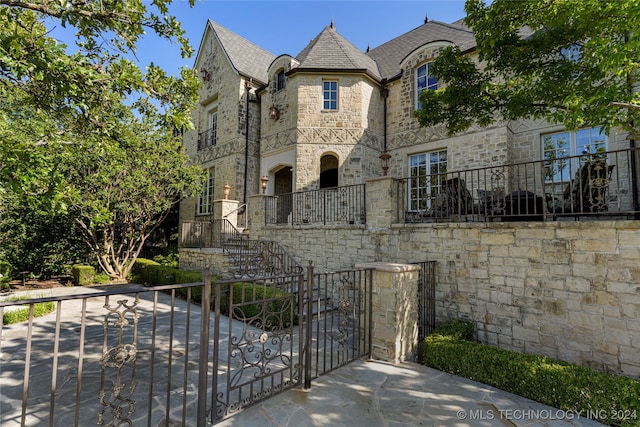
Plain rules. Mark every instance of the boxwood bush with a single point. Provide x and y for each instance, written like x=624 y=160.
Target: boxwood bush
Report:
x=614 y=400
x=83 y=275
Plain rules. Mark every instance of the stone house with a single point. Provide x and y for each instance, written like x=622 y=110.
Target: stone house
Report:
x=322 y=119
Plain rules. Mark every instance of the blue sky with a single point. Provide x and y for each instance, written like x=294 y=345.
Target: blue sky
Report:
x=288 y=26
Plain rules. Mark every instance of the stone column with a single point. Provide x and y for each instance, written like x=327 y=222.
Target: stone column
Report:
x=224 y=208
x=383 y=201
x=395 y=311
x=256 y=212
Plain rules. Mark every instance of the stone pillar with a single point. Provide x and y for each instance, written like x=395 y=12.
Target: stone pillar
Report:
x=228 y=209
x=395 y=311
x=256 y=212
x=383 y=201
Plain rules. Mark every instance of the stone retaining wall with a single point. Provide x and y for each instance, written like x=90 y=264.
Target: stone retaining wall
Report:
x=567 y=289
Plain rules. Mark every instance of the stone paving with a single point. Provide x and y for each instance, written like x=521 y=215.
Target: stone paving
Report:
x=363 y=393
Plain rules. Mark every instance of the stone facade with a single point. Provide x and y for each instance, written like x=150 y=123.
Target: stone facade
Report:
x=564 y=289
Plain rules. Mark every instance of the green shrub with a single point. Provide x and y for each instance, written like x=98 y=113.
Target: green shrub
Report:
x=170 y=259
x=83 y=274
x=5 y=274
x=148 y=271
x=22 y=314
x=553 y=382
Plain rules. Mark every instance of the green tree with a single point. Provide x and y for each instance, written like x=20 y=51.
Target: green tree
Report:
x=120 y=191
x=88 y=133
x=573 y=62
x=79 y=92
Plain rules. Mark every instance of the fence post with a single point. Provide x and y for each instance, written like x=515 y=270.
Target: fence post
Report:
x=205 y=313
x=308 y=327
x=395 y=310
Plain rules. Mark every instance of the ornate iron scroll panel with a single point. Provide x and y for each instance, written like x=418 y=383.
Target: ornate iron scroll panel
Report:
x=117 y=402
x=262 y=357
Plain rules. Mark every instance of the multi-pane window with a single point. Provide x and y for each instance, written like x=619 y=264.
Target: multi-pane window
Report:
x=213 y=127
x=424 y=81
x=205 y=200
x=427 y=171
x=558 y=149
x=280 y=80
x=330 y=95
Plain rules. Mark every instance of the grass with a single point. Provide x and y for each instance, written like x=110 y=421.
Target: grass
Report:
x=22 y=314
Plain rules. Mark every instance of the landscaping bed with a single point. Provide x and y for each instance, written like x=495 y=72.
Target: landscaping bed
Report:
x=609 y=399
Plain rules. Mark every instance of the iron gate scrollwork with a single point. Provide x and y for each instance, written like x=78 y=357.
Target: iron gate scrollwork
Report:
x=117 y=402
x=263 y=341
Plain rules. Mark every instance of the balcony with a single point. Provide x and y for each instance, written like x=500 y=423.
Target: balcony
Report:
x=208 y=138
x=337 y=205
x=589 y=186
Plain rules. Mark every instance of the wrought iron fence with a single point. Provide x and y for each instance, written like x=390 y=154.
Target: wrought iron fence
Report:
x=338 y=205
x=184 y=354
x=213 y=233
x=426 y=298
x=124 y=356
x=257 y=258
x=596 y=186
x=341 y=313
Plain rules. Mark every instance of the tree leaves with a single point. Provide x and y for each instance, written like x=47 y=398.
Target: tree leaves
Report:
x=572 y=62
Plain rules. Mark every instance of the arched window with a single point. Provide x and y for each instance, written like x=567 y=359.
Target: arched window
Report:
x=328 y=171
x=280 y=80
x=424 y=81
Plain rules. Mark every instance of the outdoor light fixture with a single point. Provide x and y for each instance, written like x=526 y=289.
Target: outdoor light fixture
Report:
x=274 y=113
x=385 y=162
x=265 y=180
x=225 y=191
x=205 y=75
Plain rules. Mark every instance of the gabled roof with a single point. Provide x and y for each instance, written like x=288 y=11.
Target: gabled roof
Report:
x=247 y=58
x=389 y=55
x=330 y=51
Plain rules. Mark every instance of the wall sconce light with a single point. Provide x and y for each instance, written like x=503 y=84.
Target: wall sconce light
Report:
x=265 y=180
x=225 y=191
x=385 y=162
x=274 y=113
x=205 y=75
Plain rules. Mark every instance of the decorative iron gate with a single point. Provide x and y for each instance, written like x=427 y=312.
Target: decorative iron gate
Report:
x=257 y=341
x=275 y=333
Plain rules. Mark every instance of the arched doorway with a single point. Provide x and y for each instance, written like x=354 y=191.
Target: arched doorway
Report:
x=328 y=171
x=283 y=187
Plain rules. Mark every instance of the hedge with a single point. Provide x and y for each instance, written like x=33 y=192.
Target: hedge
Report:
x=83 y=275
x=557 y=383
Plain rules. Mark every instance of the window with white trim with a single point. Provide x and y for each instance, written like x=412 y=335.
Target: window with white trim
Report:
x=205 y=199
x=559 y=147
x=330 y=95
x=427 y=171
x=424 y=81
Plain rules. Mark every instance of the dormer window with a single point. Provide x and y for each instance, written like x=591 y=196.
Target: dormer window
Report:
x=424 y=81
x=280 y=80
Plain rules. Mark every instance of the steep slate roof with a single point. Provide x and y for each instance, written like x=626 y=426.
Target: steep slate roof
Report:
x=247 y=58
x=330 y=51
x=389 y=55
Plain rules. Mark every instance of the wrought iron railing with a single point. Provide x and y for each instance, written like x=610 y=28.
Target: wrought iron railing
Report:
x=259 y=258
x=208 y=138
x=595 y=186
x=123 y=356
x=208 y=234
x=338 y=205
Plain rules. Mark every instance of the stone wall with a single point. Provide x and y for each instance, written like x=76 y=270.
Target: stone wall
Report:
x=568 y=290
